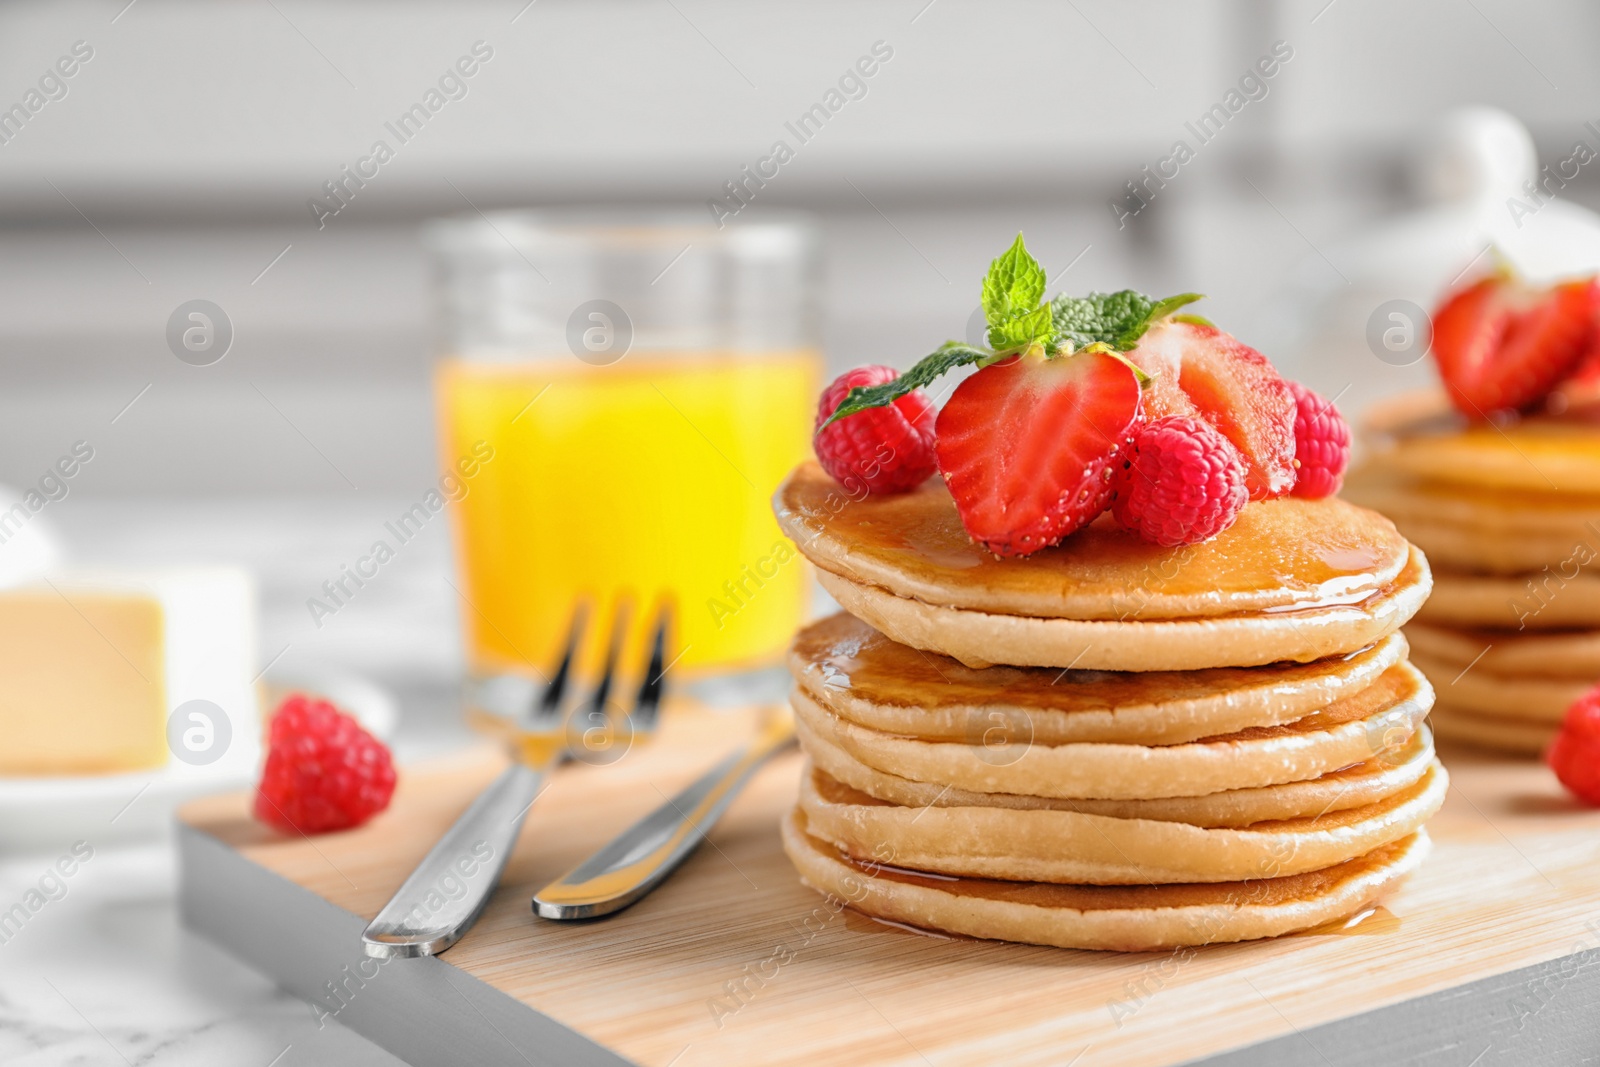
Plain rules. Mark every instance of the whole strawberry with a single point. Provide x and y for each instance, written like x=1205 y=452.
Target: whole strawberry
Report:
x=1321 y=444
x=887 y=449
x=1575 y=753
x=323 y=771
x=1181 y=483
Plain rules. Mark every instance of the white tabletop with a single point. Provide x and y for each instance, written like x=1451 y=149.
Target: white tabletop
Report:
x=105 y=974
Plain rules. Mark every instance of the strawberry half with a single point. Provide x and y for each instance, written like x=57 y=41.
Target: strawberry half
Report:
x=1502 y=345
x=1028 y=446
x=1199 y=371
x=1580 y=392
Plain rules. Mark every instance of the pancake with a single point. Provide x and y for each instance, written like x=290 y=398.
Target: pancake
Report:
x=1502 y=696
x=1562 y=654
x=1498 y=530
x=1418 y=434
x=1381 y=717
x=1556 y=600
x=1286 y=554
x=982 y=639
x=1125 y=918
x=1497 y=552
x=1074 y=848
x=1349 y=787
x=858 y=673
x=1520 y=736
x=1529 y=509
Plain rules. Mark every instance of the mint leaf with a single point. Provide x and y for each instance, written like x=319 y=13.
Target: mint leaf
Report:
x=1116 y=319
x=946 y=358
x=1022 y=330
x=1162 y=308
x=1012 y=291
x=1013 y=287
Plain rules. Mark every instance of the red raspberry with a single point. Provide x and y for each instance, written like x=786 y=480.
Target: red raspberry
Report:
x=1181 y=483
x=1321 y=444
x=1575 y=753
x=323 y=772
x=889 y=449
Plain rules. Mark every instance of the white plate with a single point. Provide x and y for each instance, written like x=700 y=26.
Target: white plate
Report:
x=55 y=812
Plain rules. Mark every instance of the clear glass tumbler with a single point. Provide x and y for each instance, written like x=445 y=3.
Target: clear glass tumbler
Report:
x=620 y=393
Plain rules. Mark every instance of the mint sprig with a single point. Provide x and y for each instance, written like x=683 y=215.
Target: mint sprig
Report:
x=946 y=358
x=1117 y=320
x=1018 y=320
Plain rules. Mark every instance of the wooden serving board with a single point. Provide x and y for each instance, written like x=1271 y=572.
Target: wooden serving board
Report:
x=735 y=962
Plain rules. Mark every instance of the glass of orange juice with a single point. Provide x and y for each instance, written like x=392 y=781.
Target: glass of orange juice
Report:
x=626 y=389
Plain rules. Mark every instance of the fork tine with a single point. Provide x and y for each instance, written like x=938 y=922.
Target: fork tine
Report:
x=550 y=700
x=596 y=711
x=648 y=704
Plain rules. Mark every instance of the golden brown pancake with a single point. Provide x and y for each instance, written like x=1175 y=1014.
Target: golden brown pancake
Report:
x=1126 y=918
x=1520 y=736
x=1496 y=553
x=1563 y=598
x=1571 y=654
x=1483 y=692
x=1281 y=555
x=858 y=673
x=1380 y=718
x=1292 y=580
x=1498 y=530
x=981 y=639
x=1348 y=787
x=1075 y=848
x=1419 y=435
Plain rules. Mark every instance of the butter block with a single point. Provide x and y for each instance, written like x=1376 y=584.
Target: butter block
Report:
x=92 y=664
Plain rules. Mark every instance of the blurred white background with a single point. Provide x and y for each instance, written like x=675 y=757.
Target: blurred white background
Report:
x=180 y=162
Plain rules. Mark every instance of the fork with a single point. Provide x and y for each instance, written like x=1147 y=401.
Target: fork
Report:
x=449 y=889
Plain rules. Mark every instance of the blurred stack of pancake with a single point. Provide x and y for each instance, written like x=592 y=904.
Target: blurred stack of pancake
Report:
x=1510 y=518
x=1181 y=746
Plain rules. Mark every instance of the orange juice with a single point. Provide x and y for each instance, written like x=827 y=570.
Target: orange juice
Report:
x=645 y=479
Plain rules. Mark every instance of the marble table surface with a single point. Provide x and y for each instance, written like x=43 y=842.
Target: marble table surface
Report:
x=105 y=974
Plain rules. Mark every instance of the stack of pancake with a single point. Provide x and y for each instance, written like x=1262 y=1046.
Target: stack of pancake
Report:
x=1510 y=518
x=1179 y=746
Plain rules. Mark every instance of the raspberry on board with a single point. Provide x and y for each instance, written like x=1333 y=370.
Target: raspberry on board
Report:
x=323 y=771
x=887 y=449
x=1575 y=753
x=1181 y=483
x=1321 y=444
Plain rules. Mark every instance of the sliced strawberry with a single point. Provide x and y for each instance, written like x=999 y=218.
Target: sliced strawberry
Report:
x=1579 y=394
x=1028 y=445
x=1201 y=371
x=1503 y=345
x=1160 y=355
x=1587 y=372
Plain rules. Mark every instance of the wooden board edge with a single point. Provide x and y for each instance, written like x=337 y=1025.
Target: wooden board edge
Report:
x=241 y=906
